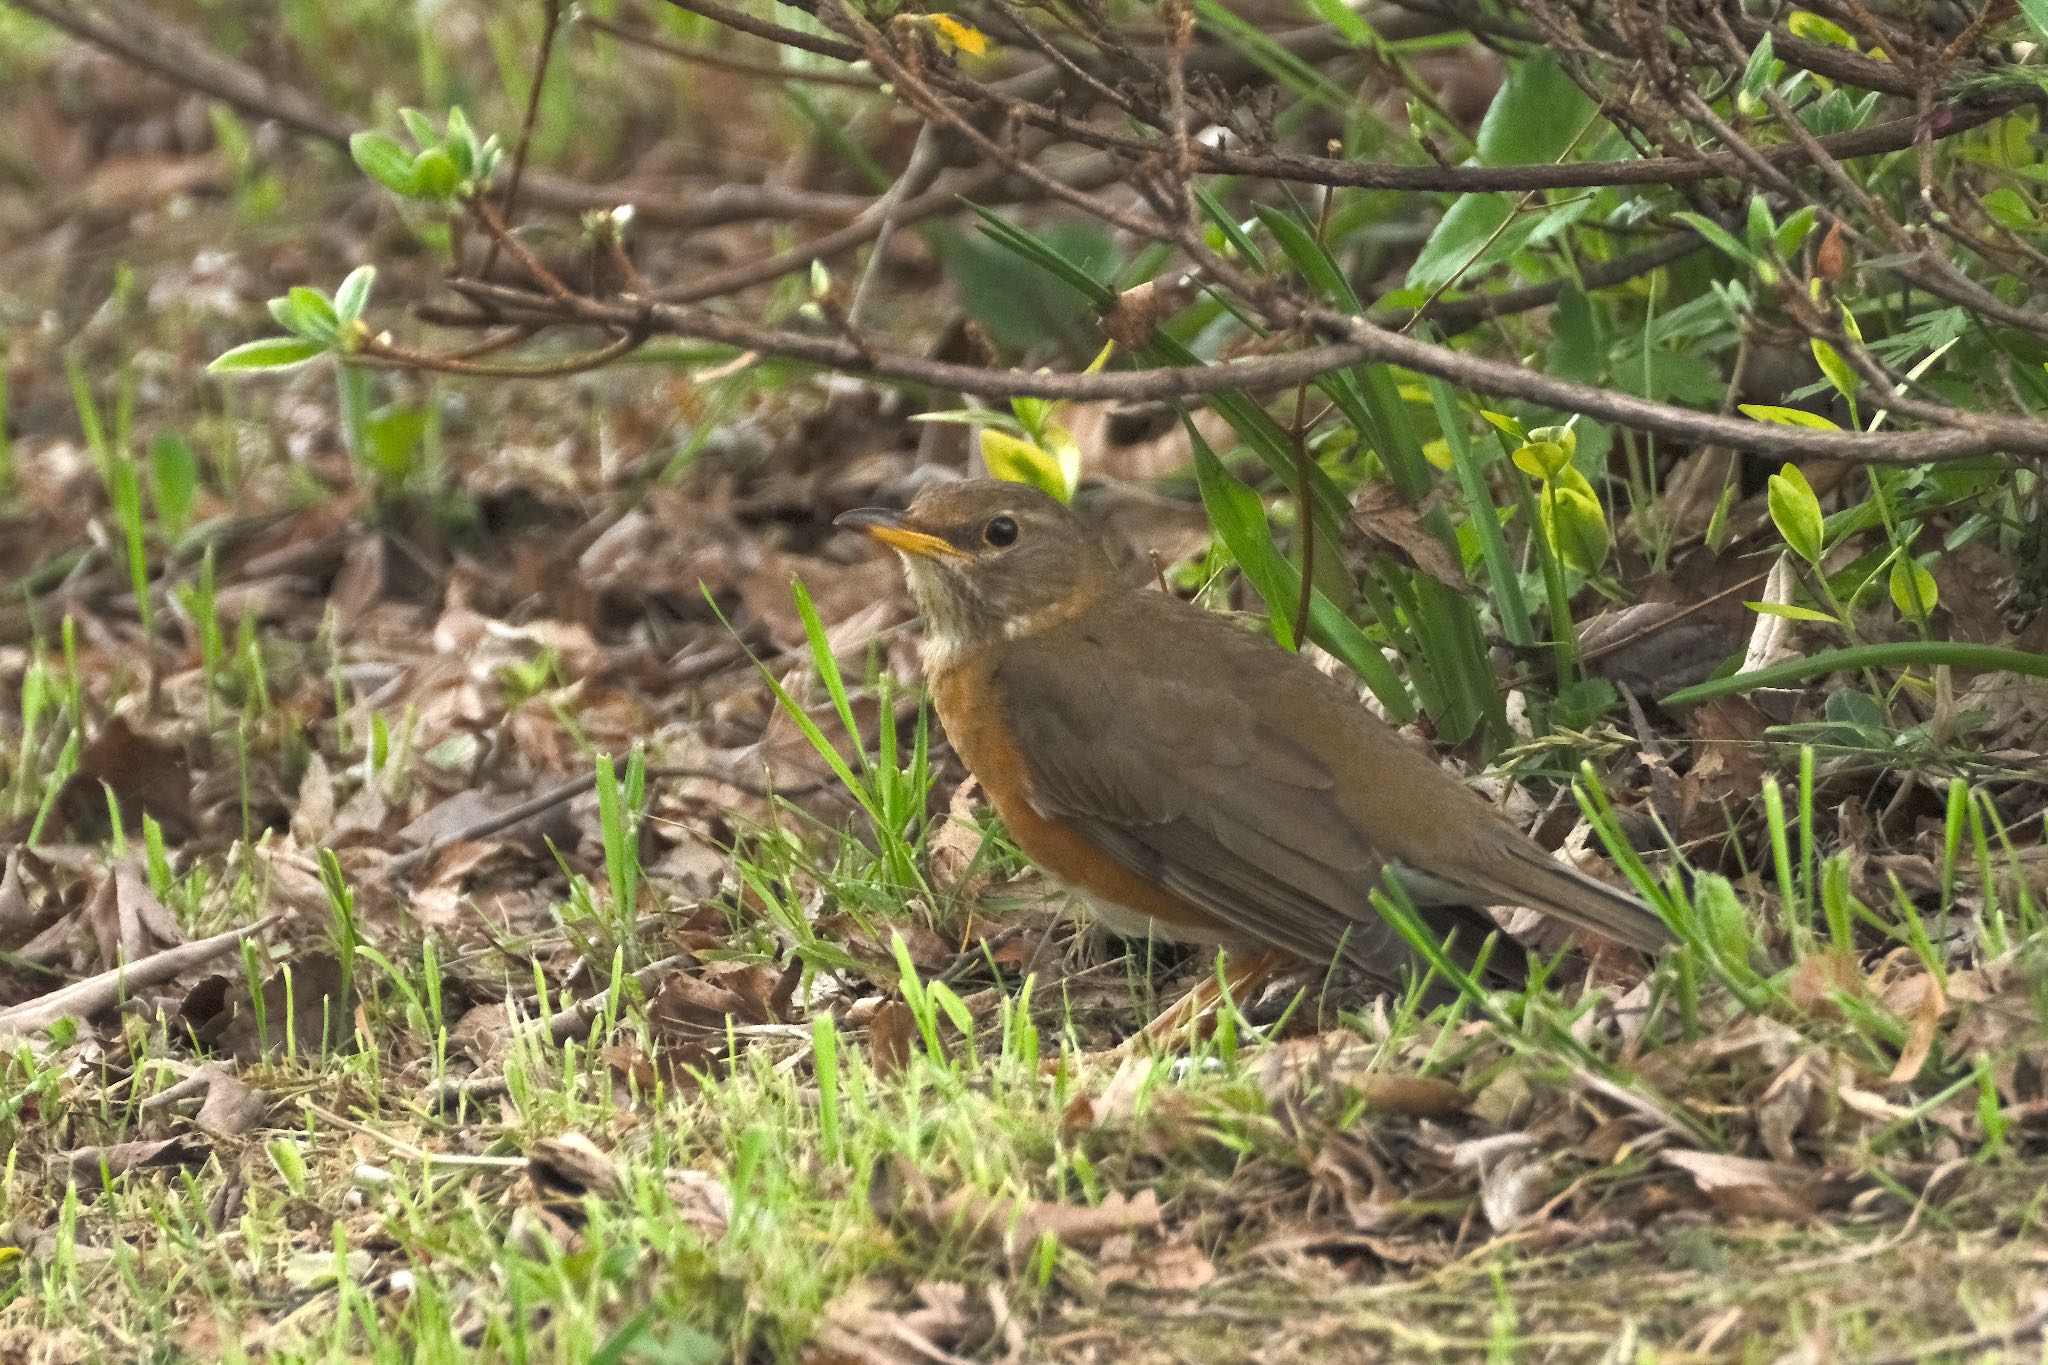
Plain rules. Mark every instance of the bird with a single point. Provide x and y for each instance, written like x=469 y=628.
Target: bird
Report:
x=1192 y=780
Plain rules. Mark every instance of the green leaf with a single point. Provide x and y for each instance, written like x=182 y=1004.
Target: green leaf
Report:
x=354 y=293
x=1762 y=69
x=1845 y=380
x=271 y=353
x=2037 y=18
x=1536 y=115
x=1758 y=230
x=1021 y=461
x=314 y=312
x=173 y=480
x=2009 y=208
x=1793 y=232
x=1239 y=519
x=1308 y=256
x=1576 y=527
x=424 y=134
x=1787 y=417
x=1576 y=349
x=1796 y=513
x=1045 y=255
x=1789 y=611
x=384 y=161
x=1913 y=588
x=1504 y=424
x=1718 y=236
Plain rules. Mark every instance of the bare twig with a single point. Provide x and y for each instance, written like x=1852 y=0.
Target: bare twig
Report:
x=97 y=994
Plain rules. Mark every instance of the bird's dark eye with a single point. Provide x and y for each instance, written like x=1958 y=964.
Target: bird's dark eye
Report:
x=1000 y=532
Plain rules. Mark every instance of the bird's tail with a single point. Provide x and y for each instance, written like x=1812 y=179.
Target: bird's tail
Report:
x=1541 y=882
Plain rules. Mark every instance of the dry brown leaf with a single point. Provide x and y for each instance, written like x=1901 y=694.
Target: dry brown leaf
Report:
x=147 y=776
x=1176 y=1268
x=954 y=848
x=1016 y=1224
x=1342 y=1059
x=1744 y=1186
x=1392 y=525
x=568 y=1168
x=1926 y=1013
x=92 y=1165
x=892 y=1033
x=232 y=1107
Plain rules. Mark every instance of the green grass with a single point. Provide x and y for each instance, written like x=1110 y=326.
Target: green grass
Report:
x=922 y=1133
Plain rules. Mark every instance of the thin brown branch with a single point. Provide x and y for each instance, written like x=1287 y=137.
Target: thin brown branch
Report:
x=743 y=66
x=1972 y=436
x=551 y=29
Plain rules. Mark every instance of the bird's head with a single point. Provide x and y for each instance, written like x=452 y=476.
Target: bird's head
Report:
x=989 y=560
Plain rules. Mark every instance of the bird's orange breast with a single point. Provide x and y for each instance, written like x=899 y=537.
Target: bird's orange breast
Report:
x=976 y=718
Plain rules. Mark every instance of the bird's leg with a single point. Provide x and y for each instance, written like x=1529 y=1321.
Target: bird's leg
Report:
x=1195 y=1012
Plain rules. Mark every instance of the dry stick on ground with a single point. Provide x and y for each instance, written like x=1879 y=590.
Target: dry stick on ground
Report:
x=97 y=994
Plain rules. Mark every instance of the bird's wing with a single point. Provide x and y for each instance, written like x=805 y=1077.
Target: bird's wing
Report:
x=1187 y=785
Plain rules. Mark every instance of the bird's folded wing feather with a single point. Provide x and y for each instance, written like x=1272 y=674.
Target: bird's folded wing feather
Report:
x=1190 y=788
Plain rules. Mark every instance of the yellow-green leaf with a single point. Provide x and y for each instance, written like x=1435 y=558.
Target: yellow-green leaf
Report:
x=1541 y=459
x=1837 y=370
x=1796 y=513
x=1576 y=526
x=1787 y=417
x=1788 y=611
x=1913 y=589
x=1021 y=461
x=1563 y=435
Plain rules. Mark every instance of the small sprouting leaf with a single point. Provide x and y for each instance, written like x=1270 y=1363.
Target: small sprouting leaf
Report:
x=354 y=293
x=435 y=174
x=1541 y=459
x=1562 y=434
x=1913 y=589
x=1787 y=417
x=420 y=126
x=314 y=313
x=1758 y=230
x=1792 y=233
x=384 y=161
x=1796 y=513
x=1844 y=379
x=1021 y=461
x=1505 y=424
x=1789 y=611
x=1576 y=526
x=271 y=353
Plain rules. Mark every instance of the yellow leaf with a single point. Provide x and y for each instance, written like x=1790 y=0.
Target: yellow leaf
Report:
x=1021 y=461
x=970 y=40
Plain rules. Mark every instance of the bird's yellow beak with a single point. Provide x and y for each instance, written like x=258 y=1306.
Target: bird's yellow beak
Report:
x=889 y=528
